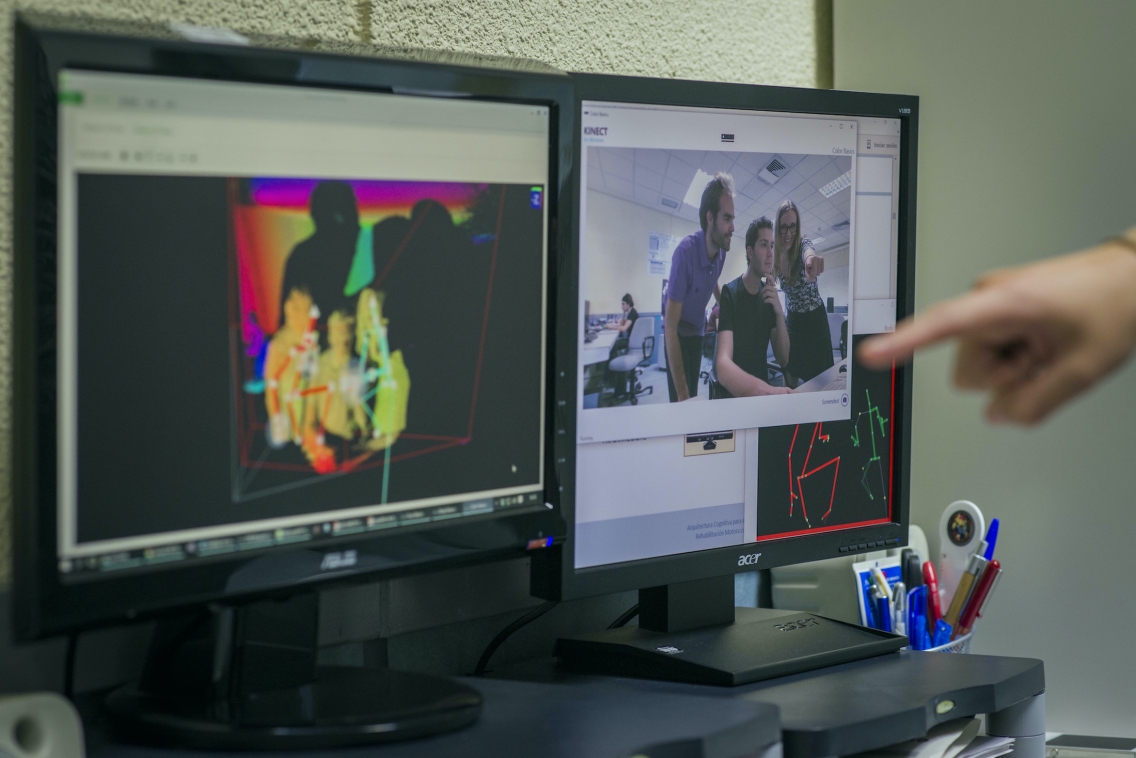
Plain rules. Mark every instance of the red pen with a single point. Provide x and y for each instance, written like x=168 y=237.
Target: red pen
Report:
x=934 y=607
x=978 y=597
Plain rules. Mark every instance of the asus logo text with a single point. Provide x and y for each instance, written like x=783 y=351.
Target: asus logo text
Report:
x=332 y=561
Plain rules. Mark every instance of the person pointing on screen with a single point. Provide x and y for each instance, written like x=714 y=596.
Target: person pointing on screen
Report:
x=1034 y=336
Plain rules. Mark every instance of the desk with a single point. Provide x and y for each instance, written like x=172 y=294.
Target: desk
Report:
x=869 y=704
x=832 y=375
x=582 y=720
x=598 y=349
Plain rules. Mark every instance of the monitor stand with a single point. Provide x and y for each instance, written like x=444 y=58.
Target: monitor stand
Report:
x=691 y=632
x=246 y=678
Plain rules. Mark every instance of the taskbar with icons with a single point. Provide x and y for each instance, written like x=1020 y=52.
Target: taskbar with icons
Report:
x=169 y=554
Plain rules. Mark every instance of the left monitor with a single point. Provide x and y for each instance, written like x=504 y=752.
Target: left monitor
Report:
x=281 y=316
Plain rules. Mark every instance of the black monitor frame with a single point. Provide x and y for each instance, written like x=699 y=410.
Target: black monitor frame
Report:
x=43 y=605
x=554 y=575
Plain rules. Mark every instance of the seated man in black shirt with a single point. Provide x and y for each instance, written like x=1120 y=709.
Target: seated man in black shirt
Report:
x=751 y=316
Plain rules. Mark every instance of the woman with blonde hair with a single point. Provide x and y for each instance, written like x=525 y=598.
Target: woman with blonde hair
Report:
x=797 y=265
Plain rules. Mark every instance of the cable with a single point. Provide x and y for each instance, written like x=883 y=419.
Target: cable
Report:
x=529 y=617
x=626 y=616
x=69 y=666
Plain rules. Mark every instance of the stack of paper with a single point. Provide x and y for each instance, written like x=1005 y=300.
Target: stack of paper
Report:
x=953 y=739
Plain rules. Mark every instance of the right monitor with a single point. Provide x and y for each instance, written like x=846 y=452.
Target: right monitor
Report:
x=736 y=244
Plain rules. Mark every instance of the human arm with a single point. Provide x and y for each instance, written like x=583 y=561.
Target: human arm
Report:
x=674 y=349
x=1032 y=336
x=779 y=334
x=620 y=325
x=717 y=292
x=739 y=382
x=813 y=263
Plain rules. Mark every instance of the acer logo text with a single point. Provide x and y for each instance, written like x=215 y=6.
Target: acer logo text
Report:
x=596 y=131
x=793 y=626
x=748 y=560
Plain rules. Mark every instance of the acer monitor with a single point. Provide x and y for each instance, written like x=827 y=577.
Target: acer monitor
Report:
x=739 y=432
x=281 y=319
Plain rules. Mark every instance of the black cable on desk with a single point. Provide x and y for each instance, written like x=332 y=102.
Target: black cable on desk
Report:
x=626 y=616
x=503 y=635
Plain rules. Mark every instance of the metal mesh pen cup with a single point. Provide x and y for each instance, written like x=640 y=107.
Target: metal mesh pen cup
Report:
x=960 y=645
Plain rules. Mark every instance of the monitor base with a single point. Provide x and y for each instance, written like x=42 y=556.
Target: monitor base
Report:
x=760 y=643
x=344 y=706
x=247 y=677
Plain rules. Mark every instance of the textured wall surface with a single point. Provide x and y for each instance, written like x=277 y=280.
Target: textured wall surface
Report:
x=1022 y=156
x=785 y=42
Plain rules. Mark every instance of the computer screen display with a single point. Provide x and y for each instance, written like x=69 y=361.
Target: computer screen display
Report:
x=732 y=260
x=292 y=314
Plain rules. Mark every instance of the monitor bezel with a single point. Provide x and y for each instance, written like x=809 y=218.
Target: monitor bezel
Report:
x=554 y=575
x=42 y=604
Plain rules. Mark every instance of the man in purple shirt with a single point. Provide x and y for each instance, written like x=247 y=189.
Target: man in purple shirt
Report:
x=695 y=267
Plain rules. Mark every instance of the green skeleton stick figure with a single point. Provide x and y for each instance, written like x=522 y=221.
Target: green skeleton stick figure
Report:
x=387 y=370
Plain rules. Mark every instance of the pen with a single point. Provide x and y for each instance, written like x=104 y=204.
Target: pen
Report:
x=899 y=608
x=991 y=539
x=942 y=634
x=881 y=581
x=883 y=604
x=869 y=606
x=966 y=583
x=916 y=599
x=979 y=597
x=910 y=568
x=934 y=604
x=918 y=641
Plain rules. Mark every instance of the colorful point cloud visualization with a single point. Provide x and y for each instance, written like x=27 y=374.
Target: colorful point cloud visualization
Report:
x=317 y=368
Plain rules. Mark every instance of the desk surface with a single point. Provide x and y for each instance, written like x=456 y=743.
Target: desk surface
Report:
x=858 y=706
x=598 y=349
x=818 y=382
x=583 y=720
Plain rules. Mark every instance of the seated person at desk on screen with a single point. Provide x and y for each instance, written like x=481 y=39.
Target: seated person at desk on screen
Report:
x=620 y=346
x=749 y=319
x=623 y=326
x=695 y=267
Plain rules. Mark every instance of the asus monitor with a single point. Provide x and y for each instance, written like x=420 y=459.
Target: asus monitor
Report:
x=281 y=319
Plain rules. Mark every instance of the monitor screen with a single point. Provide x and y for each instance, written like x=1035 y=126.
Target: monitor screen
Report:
x=290 y=315
x=732 y=260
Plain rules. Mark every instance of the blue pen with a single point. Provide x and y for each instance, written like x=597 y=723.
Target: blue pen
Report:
x=883 y=613
x=991 y=539
x=942 y=634
x=916 y=608
x=918 y=638
x=869 y=609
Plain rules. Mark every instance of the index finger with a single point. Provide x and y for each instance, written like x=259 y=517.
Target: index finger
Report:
x=942 y=321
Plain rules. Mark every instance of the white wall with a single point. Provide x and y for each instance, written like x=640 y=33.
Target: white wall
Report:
x=1027 y=118
x=833 y=281
x=615 y=242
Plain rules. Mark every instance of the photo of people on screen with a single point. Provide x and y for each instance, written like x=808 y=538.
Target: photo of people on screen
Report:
x=766 y=321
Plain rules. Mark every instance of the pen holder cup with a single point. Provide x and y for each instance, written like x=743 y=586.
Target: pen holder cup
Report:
x=961 y=645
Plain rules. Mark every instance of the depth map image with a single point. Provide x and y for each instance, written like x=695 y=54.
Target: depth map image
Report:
x=361 y=311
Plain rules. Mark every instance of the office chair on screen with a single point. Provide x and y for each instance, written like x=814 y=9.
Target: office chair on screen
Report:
x=838 y=333
x=628 y=365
